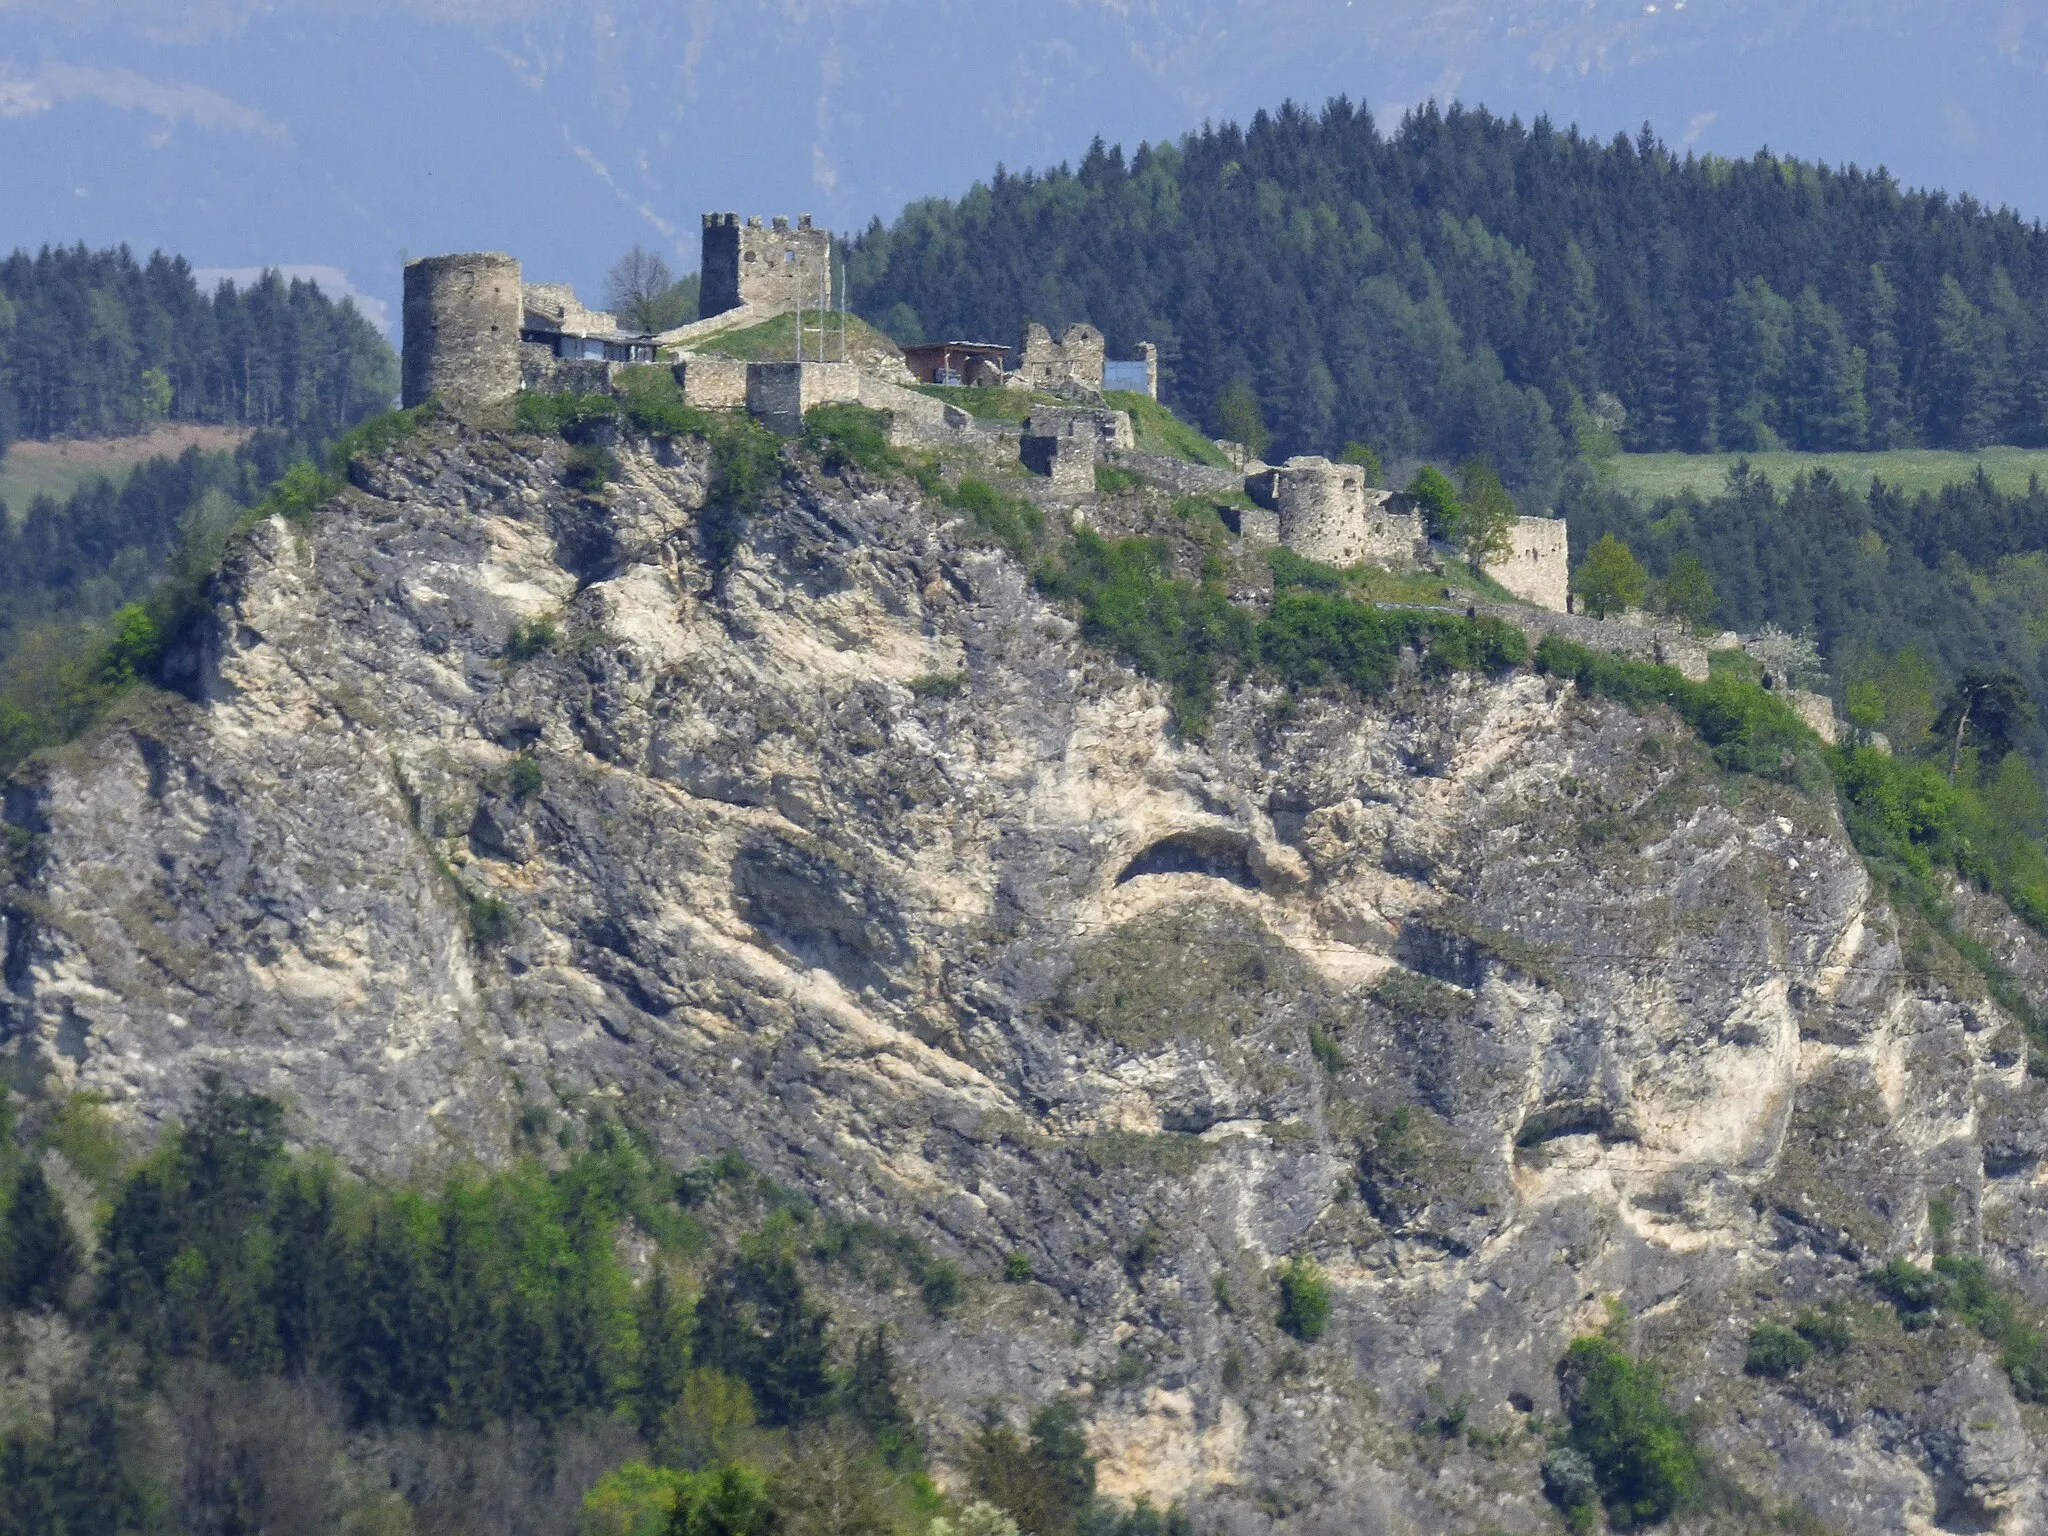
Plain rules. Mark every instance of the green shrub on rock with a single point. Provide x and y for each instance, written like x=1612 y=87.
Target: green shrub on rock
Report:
x=1621 y=1422
x=843 y=435
x=1775 y=1351
x=1305 y=1298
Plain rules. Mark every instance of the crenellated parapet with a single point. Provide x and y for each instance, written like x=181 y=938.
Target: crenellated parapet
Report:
x=768 y=268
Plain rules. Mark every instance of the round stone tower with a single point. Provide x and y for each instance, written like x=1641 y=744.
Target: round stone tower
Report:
x=462 y=317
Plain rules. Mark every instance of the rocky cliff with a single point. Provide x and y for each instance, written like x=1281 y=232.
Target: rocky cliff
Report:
x=492 y=803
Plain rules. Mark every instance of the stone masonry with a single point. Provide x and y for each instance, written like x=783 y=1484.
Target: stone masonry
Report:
x=554 y=306
x=462 y=319
x=1073 y=362
x=1327 y=512
x=1537 y=567
x=769 y=268
x=1066 y=445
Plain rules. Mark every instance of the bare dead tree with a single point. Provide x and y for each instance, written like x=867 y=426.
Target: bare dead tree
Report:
x=640 y=290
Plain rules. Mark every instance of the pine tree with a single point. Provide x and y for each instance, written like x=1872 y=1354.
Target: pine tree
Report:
x=1889 y=427
x=1961 y=342
x=755 y=1322
x=1825 y=402
x=871 y=1395
x=42 y=1256
x=664 y=1352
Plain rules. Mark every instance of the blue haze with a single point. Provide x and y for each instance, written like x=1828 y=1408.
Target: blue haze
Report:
x=342 y=134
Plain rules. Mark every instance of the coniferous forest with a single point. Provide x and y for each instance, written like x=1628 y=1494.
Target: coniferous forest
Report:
x=260 y=1342
x=97 y=344
x=1471 y=286
x=94 y=343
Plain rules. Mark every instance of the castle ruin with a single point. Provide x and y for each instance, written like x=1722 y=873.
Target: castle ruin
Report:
x=1327 y=512
x=476 y=334
x=1079 y=362
x=1538 y=565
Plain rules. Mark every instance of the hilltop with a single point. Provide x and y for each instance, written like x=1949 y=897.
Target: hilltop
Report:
x=1470 y=285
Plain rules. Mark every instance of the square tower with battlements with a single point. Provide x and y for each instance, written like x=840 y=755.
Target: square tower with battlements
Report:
x=772 y=268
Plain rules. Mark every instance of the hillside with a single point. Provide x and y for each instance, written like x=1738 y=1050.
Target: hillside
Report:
x=1459 y=286
x=1380 y=1109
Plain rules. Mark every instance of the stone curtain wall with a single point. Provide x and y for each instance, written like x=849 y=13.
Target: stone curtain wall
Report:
x=713 y=383
x=558 y=305
x=462 y=316
x=1108 y=429
x=1538 y=568
x=771 y=268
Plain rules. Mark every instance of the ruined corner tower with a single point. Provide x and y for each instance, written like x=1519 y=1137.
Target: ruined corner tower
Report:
x=773 y=269
x=462 y=316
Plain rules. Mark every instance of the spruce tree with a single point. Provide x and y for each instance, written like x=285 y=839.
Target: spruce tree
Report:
x=43 y=1255
x=871 y=1395
x=1889 y=427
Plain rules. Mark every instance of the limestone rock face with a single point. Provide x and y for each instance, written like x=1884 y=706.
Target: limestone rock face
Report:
x=1501 y=1003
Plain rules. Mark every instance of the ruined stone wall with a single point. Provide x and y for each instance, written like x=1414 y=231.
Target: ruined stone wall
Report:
x=1074 y=361
x=918 y=420
x=1068 y=462
x=1177 y=475
x=713 y=383
x=1109 y=429
x=779 y=394
x=772 y=268
x=556 y=305
x=1638 y=636
x=1537 y=568
x=546 y=374
x=462 y=318
x=1816 y=709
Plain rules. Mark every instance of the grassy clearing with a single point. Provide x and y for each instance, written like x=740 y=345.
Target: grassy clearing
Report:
x=56 y=469
x=1911 y=469
x=1158 y=430
x=774 y=341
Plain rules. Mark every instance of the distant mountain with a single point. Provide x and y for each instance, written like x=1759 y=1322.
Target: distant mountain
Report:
x=345 y=132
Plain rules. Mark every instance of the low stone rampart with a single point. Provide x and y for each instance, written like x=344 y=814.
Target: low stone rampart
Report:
x=1176 y=475
x=713 y=383
x=1633 y=635
x=687 y=335
x=543 y=373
